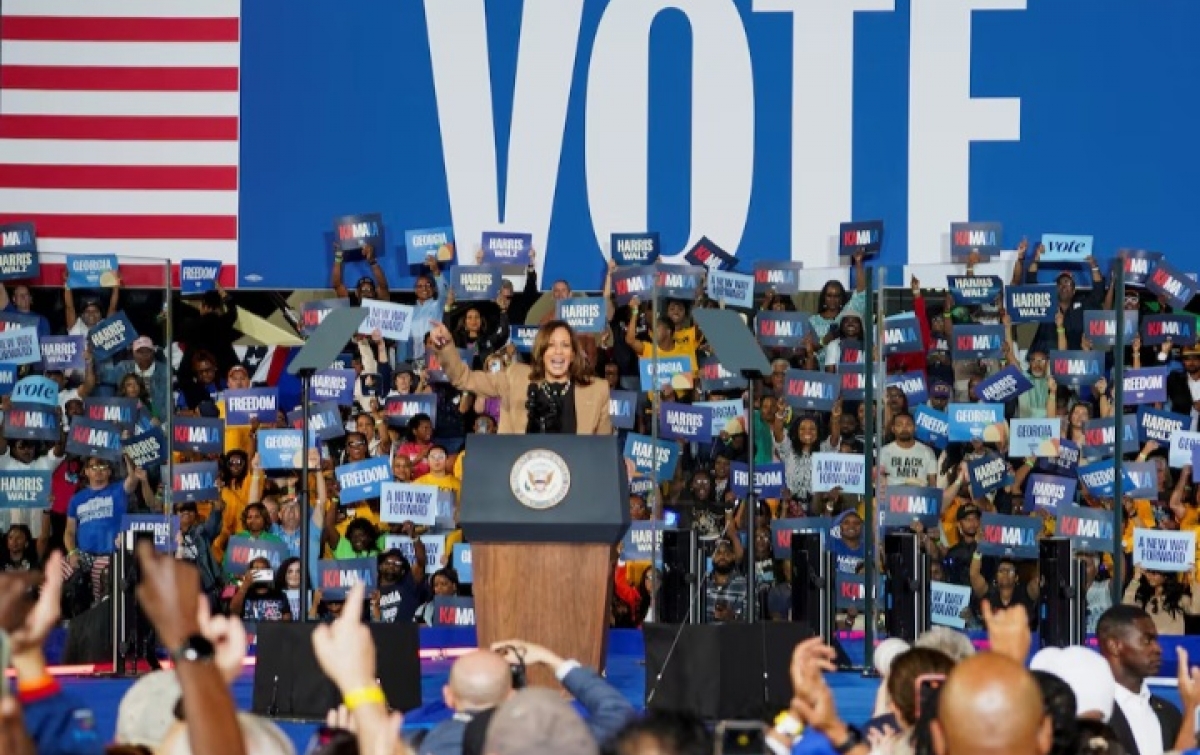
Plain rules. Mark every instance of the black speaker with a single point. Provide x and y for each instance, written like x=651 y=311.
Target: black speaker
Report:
x=288 y=683
x=808 y=579
x=679 y=574
x=1061 y=608
x=904 y=605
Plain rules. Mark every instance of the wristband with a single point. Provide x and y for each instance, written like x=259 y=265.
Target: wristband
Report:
x=364 y=696
x=787 y=725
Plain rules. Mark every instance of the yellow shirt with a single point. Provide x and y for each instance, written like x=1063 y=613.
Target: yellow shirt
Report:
x=236 y=436
x=685 y=341
x=458 y=464
x=357 y=511
x=1143 y=518
x=442 y=482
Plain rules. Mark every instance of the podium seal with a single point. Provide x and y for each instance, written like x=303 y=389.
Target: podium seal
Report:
x=540 y=479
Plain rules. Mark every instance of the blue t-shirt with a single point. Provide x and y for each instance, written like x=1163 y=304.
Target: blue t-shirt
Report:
x=848 y=559
x=97 y=514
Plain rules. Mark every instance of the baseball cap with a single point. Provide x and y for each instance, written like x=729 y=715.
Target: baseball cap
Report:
x=143 y=342
x=939 y=389
x=147 y=711
x=968 y=510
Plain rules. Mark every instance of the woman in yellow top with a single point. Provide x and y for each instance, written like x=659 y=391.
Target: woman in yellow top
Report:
x=664 y=335
x=438 y=475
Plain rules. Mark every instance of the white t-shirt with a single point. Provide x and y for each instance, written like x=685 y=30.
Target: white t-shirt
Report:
x=908 y=466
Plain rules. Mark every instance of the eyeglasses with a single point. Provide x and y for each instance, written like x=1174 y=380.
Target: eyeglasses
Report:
x=438 y=455
x=100 y=465
x=356 y=443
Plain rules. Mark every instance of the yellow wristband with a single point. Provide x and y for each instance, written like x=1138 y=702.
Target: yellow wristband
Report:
x=364 y=696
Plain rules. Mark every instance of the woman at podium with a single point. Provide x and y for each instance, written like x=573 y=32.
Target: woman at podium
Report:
x=554 y=394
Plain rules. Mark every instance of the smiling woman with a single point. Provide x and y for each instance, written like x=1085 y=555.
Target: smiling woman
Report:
x=554 y=394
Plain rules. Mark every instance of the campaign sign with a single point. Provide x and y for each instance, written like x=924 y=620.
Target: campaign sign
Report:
x=988 y=473
x=851 y=591
x=714 y=377
x=476 y=282
x=782 y=529
x=1049 y=492
x=1030 y=303
x=852 y=381
x=1090 y=530
x=435 y=546
x=91 y=438
x=781 y=329
x=780 y=276
x=584 y=315
x=363 y=480
x=20 y=346
x=148 y=449
x=1182 y=444
x=1064 y=460
x=35 y=390
x=62 y=353
x=1076 y=368
x=196 y=481
x=453 y=611
x=970 y=290
x=164 y=527
x=1141 y=479
x=642 y=541
x=621 y=405
x=912 y=385
x=807 y=389
x=202 y=435
x=401 y=502
x=243 y=549
x=1059 y=246
x=1177 y=286
x=31 y=423
x=1032 y=437
x=400 y=409
x=646 y=452
x=1100 y=325
x=198 y=276
x=353 y=232
x=280 y=449
x=933 y=427
x=734 y=289
x=1002 y=386
x=1012 y=536
x=656 y=373
x=325 y=420
x=333 y=385
x=423 y=243
x=977 y=341
x=905 y=504
x=460 y=559
x=91 y=270
x=971 y=421
x=834 y=470
x=247 y=404
x=1179 y=329
x=863 y=237
x=18 y=251
x=679 y=281
x=1159 y=425
x=8 y=378
x=504 y=248
x=1147 y=385
x=16 y=320
x=850 y=351
x=685 y=422
x=1100 y=435
x=109 y=336
x=24 y=488
x=635 y=248
x=709 y=255
x=119 y=411
x=313 y=313
x=984 y=238
x=902 y=335
x=1161 y=550
x=1099 y=477
x=393 y=321
x=768 y=479
x=336 y=577
x=631 y=282
x=721 y=412
x=1138 y=265
x=947 y=603
x=521 y=337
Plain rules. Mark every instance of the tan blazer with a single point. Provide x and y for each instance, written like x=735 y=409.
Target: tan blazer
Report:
x=511 y=386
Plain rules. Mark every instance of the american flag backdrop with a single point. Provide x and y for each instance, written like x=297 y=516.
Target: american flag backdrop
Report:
x=119 y=127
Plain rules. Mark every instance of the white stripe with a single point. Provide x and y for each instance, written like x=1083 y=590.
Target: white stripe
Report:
x=125 y=8
x=143 y=251
x=99 y=152
x=113 y=202
x=19 y=52
x=37 y=102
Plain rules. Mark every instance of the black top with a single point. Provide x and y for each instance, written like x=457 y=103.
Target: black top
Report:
x=551 y=408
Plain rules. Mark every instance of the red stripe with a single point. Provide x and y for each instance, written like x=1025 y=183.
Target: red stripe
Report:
x=116 y=127
x=223 y=227
x=279 y=361
x=84 y=29
x=195 y=177
x=147 y=274
x=119 y=79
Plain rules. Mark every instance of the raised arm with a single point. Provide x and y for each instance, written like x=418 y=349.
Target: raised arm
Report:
x=461 y=376
x=335 y=276
x=381 y=281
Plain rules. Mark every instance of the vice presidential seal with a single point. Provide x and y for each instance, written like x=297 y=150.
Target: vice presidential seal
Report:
x=540 y=479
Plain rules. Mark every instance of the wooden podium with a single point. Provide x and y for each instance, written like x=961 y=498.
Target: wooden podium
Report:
x=543 y=514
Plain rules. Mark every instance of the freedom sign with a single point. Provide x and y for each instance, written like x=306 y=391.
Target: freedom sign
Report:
x=1147 y=385
x=913 y=385
x=198 y=276
x=362 y=480
x=248 y=404
x=768 y=479
x=933 y=426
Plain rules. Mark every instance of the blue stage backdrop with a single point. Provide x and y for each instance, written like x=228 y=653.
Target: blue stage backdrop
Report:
x=761 y=124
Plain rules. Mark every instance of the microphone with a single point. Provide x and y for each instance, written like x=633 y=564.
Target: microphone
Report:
x=273 y=708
